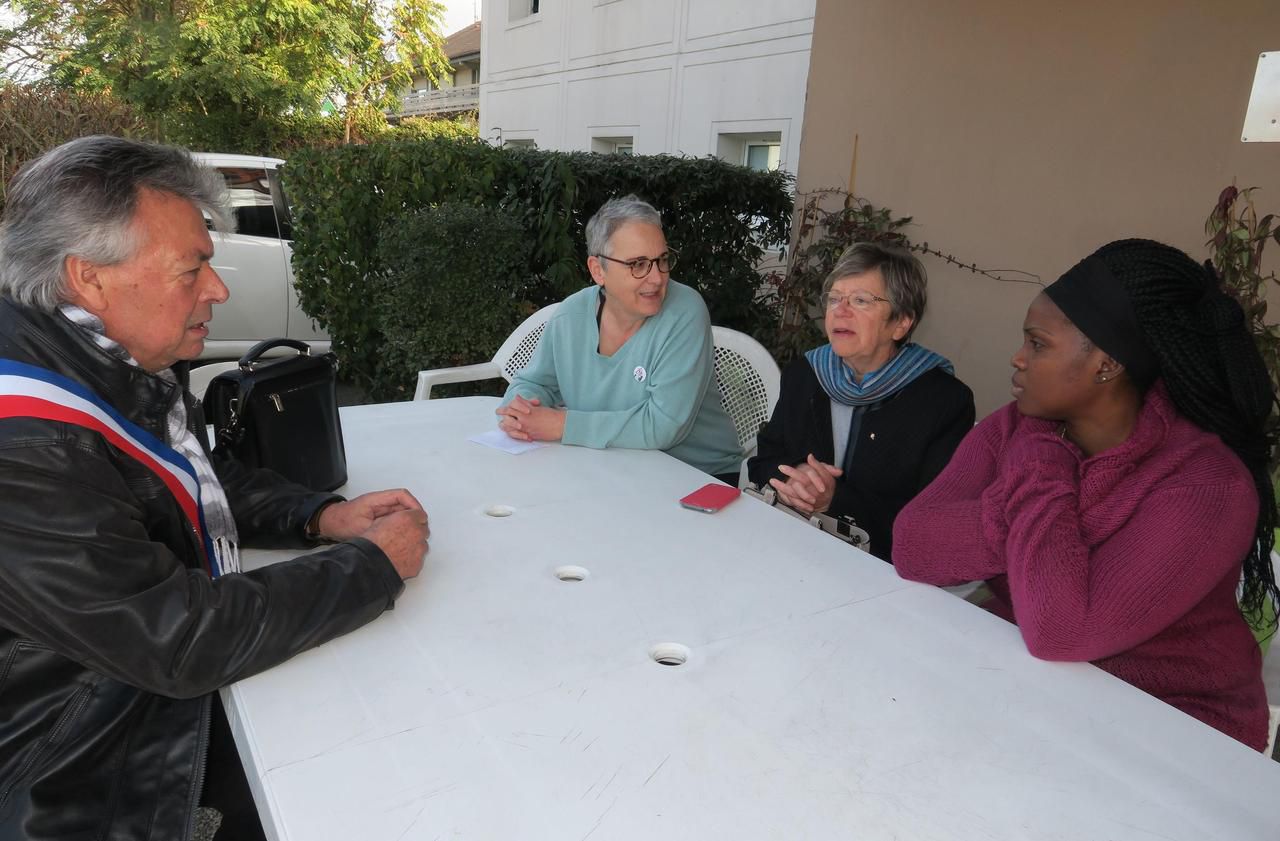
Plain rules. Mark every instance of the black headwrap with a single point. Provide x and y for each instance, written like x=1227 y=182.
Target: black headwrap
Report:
x=1099 y=306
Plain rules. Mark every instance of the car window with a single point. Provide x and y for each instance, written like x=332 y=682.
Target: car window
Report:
x=250 y=194
x=284 y=214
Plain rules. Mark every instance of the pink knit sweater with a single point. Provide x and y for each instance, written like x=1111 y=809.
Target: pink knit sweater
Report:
x=1129 y=559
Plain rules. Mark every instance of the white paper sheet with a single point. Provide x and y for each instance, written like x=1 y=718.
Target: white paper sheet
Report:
x=500 y=440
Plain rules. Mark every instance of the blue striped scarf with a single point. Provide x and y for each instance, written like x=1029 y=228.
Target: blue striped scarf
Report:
x=838 y=381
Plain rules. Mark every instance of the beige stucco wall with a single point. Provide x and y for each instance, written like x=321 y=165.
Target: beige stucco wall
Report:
x=1024 y=135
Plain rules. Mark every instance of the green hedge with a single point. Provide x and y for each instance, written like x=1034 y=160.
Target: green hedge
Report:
x=282 y=135
x=719 y=217
x=453 y=286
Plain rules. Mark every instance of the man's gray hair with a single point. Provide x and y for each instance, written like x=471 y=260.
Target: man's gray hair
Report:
x=80 y=198
x=612 y=215
x=905 y=280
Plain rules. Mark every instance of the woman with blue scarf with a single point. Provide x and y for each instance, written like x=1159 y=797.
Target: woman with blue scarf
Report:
x=865 y=422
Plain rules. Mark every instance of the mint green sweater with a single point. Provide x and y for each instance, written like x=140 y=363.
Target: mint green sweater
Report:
x=658 y=392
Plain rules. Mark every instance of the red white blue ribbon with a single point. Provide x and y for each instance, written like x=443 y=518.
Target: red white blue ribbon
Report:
x=27 y=391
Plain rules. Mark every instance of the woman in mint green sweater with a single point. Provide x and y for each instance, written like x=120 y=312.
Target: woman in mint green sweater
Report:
x=627 y=362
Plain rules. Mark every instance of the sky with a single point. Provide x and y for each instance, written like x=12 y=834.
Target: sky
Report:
x=460 y=14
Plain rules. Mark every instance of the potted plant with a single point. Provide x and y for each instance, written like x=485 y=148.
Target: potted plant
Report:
x=1236 y=241
x=827 y=223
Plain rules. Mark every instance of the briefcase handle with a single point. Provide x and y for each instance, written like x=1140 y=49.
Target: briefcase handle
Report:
x=251 y=357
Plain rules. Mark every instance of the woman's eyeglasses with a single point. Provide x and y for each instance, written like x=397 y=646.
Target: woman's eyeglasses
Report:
x=860 y=301
x=641 y=266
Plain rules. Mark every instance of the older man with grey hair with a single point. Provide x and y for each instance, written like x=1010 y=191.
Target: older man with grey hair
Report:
x=121 y=605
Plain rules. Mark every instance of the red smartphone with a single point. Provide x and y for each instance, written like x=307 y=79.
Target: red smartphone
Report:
x=711 y=497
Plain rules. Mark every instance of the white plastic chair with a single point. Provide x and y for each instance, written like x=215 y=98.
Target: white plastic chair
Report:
x=748 y=379
x=1273 y=724
x=202 y=376
x=746 y=374
x=513 y=356
x=1271 y=680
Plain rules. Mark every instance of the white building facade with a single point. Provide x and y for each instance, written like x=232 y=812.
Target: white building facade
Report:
x=685 y=77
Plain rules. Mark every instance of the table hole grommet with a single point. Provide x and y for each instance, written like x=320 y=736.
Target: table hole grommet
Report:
x=669 y=654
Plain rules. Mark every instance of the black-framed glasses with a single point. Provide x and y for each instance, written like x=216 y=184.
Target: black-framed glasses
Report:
x=641 y=266
x=861 y=301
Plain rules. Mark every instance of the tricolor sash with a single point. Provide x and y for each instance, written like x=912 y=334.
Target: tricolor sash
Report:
x=27 y=391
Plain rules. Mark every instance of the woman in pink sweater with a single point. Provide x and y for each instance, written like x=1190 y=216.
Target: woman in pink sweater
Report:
x=1112 y=506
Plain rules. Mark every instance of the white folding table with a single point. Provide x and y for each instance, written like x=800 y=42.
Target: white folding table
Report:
x=820 y=697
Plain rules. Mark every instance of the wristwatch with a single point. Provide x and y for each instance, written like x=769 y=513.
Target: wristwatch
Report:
x=311 y=531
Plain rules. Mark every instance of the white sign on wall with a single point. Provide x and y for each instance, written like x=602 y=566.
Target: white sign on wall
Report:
x=1262 y=120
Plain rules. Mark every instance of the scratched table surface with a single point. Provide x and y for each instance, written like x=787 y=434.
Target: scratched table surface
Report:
x=820 y=697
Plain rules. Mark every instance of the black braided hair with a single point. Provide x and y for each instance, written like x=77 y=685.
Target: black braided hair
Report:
x=1212 y=369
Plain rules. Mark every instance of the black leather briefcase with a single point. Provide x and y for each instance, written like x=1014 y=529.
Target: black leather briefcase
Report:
x=281 y=414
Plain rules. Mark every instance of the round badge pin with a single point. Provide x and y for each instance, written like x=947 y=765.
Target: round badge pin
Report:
x=639 y=374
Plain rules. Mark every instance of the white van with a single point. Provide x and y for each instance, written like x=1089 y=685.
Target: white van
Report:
x=256 y=263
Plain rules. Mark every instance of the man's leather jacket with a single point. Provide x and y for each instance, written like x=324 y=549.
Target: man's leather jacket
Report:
x=112 y=637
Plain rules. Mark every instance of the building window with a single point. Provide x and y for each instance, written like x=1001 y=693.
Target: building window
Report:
x=763 y=156
x=755 y=150
x=521 y=143
x=521 y=9
x=616 y=145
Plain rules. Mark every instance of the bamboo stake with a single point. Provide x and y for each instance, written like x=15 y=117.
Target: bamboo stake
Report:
x=853 y=166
